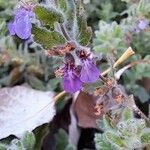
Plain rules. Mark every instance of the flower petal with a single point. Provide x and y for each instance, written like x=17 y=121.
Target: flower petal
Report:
x=71 y=82
x=23 y=27
x=142 y=24
x=89 y=72
x=10 y=27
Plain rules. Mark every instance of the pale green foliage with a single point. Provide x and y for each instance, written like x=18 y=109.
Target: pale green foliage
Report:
x=26 y=142
x=115 y=38
x=108 y=37
x=137 y=73
x=62 y=142
x=102 y=143
x=126 y=115
x=145 y=138
x=129 y=133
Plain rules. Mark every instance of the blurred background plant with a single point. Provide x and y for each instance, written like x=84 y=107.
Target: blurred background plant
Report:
x=117 y=25
x=129 y=133
x=121 y=27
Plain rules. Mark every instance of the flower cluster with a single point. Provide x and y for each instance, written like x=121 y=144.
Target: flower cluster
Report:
x=74 y=76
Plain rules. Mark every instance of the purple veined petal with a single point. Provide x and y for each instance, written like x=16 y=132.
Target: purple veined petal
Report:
x=71 y=82
x=89 y=72
x=23 y=27
x=10 y=27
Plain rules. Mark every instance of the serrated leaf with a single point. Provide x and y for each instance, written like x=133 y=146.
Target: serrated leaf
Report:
x=114 y=139
x=48 y=16
x=28 y=140
x=127 y=114
x=46 y=38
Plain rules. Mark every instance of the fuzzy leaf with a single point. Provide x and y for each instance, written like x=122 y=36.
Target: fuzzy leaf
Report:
x=145 y=138
x=102 y=143
x=127 y=114
x=16 y=145
x=46 y=38
x=3 y=146
x=62 y=4
x=36 y=83
x=28 y=140
x=48 y=16
x=84 y=32
x=104 y=124
x=114 y=139
x=70 y=15
x=62 y=139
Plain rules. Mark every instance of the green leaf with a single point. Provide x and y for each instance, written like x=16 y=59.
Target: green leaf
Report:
x=36 y=83
x=70 y=15
x=145 y=137
x=102 y=143
x=61 y=140
x=62 y=4
x=17 y=144
x=46 y=38
x=141 y=93
x=114 y=139
x=83 y=32
x=104 y=124
x=70 y=147
x=48 y=16
x=3 y=146
x=127 y=114
x=28 y=140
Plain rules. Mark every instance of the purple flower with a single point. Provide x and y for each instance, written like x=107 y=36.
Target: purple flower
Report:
x=89 y=72
x=142 y=24
x=21 y=26
x=71 y=81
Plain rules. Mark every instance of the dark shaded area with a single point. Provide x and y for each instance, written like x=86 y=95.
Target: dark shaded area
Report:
x=87 y=139
x=61 y=120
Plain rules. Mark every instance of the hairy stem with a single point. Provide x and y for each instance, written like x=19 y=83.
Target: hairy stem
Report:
x=64 y=31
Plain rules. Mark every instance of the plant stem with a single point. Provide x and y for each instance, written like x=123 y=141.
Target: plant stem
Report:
x=64 y=31
x=58 y=96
